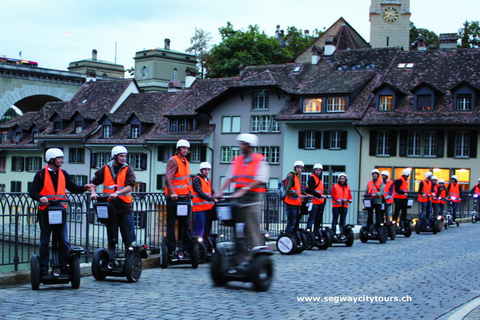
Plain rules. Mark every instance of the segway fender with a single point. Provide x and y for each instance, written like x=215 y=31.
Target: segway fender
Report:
x=262 y=250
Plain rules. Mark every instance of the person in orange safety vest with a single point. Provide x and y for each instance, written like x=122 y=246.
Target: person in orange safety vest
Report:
x=203 y=201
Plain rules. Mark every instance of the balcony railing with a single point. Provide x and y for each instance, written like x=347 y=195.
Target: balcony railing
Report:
x=19 y=232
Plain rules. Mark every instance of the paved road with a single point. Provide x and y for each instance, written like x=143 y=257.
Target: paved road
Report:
x=436 y=274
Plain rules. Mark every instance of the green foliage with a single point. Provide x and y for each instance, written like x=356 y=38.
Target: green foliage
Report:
x=470 y=34
x=200 y=46
x=10 y=114
x=430 y=37
x=240 y=48
x=296 y=41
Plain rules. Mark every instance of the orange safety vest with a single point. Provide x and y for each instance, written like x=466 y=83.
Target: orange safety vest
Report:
x=386 y=189
x=181 y=179
x=110 y=185
x=296 y=187
x=319 y=189
x=48 y=189
x=403 y=187
x=435 y=199
x=244 y=174
x=200 y=204
x=371 y=190
x=454 y=191
x=340 y=193
x=477 y=189
x=427 y=190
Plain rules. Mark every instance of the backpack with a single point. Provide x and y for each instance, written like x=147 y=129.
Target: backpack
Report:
x=281 y=190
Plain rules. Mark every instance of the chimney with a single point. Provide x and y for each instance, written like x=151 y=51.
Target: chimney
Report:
x=329 y=45
x=277 y=32
x=421 y=45
x=448 y=40
x=316 y=55
x=306 y=33
x=94 y=54
x=167 y=44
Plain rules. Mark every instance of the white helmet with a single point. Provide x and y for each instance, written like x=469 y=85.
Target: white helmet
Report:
x=342 y=174
x=454 y=177
x=434 y=178
x=183 y=143
x=53 y=153
x=319 y=166
x=441 y=181
x=376 y=171
x=298 y=163
x=406 y=172
x=249 y=138
x=428 y=174
x=478 y=179
x=385 y=173
x=205 y=165
x=118 y=149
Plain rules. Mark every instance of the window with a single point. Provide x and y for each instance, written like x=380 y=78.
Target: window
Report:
x=79 y=179
x=195 y=154
x=102 y=159
x=138 y=161
x=275 y=125
x=272 y=154
x=135 y=131
x=17 y=164
x=464 y=102
x=430 y=144
x=181 y=125
x=385 y=103
x=3 y=164
x=260 y=123
x=78 y=126
x=57 y=126
x=4 y=135
x=335 y=139
x=260 y=100
x=228 y=153
x=33 y=164
x=462 y=144
x=383 y=143
x=106 y=131
x=160 y=181
x=414 y=144
x=422 y=144
x=336 y=104
x=16 y=186
x=175 y=74
x=231 y=124
x=34 y=136
x=312 y=105
x=424 y=102
x=76 y=212
x=2 y=187
x=76 y=155
x=309 y=139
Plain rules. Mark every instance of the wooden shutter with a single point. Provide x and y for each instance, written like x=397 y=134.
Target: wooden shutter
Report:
x=326 y=140
x=160 y=153
x=143 y=160
x=451 y=144
x=440 y=143
x=318 y=139
x=473 y=143
x=373 y=143
x=301 y=139
x=343 y=139
x=203 y=154
x=93 y=160
x=393 y=143
x=403 y=143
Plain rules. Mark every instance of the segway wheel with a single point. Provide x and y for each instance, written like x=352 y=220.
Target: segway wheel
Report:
x=363 y=234
x=328 y=234
x=310 y=239
x=457 y=223
x=474 y=218
x=436 y=226
x=301 y=242
x=75 y=272
x=202 y=249
x=261 y=273
x=445 y=225
x=408 y=230
x=392 y=231
x=195 y=255
x=216 y=270
x=99 y=258
x=327 y=241
x=163 y=256
x=418 y=227
x=35 y=273
x=382 y=234
x=286 y=244
x=133 y=266
x=350 y=237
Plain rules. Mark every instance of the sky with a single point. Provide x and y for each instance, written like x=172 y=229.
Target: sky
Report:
x=57 y=32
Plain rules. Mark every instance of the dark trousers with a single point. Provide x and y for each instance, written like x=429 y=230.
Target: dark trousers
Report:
x=342 y=213
x=127 y=230
x=292 y=214
x=319 y=210
x=59 y=241
x=378 y=216
x=184 y=231
x=400 y=205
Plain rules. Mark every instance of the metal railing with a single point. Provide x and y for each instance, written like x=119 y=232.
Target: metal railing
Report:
x=20 y=234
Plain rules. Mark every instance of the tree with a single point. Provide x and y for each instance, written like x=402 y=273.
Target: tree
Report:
x=10 y=114
x=296 y=40
x=470 y=34
x=240 y=48
x=200 y=46
x=430 y=37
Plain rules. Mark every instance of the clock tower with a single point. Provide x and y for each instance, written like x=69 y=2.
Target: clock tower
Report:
x=390 y=23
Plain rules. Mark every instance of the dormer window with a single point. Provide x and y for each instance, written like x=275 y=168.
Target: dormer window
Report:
x=424 y=102
x=106 y=131
x=425 y=96
x=135 y=131
x=4 y=135
x=312 y=105
x=464 y=97
x=336 y=104
x=463 y=102
x=385 y=103
x=181 y=124
x=175 y=74
x=57 y=126
x=78 y=126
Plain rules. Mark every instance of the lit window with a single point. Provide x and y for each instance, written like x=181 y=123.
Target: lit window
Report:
x=424 y=102
x=385 y=103
x=312 y=105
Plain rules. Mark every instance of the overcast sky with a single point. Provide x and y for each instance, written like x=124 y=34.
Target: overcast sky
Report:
x=57 y=32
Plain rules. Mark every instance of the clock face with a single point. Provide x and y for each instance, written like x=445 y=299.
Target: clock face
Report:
x=390 y=14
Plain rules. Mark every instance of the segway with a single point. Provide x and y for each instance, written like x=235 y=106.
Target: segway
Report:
x=434 y=224
x=296 y=241
x=180 y=256
x=349 y=235
x=474 y=212
x=405 y=227
x=380 y=233
x=107 y=262
x=225 y=266
x=449 y=216
x=319 y=238
x=57 y=216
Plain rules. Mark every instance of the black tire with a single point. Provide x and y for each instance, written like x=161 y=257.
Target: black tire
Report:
x=458 y=223
x=382 y=234
x=133 y=266
x=99 y=259
x=164 y=256
x=35 y=272
x=202 y=250
x=325 y=243
x=363 y=234
x=75 y=272
x=303 y=239
x=328 y=236
x=350 y=237
x=195 y=255
x=300 y=242
x=408 y=230
x=392 y=231
x=436 y=226
x=216 y=270
x=418 y=227
x=445 y=225
x=474 y=218
x=261 y=272
x=286 y=244
x=332 y=235
x=310 y=239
